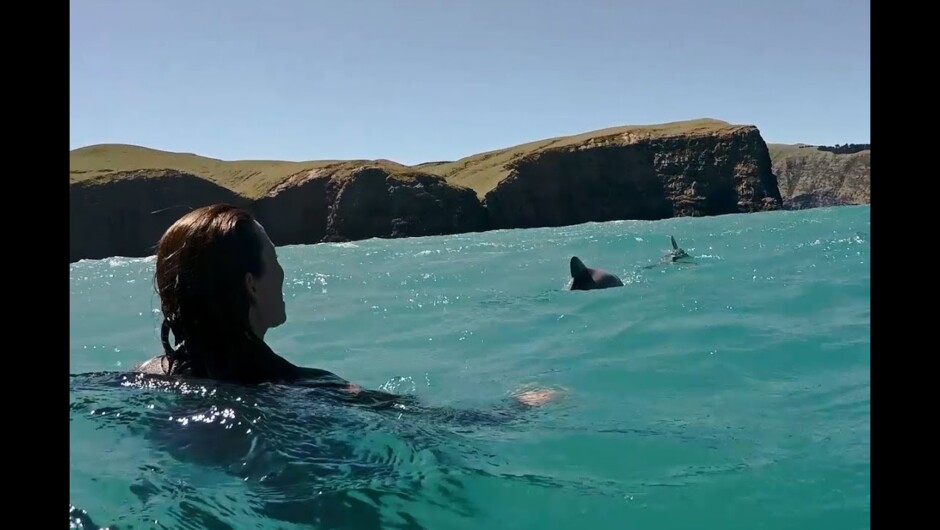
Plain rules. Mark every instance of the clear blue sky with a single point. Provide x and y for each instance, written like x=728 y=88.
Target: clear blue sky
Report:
x=422 y=80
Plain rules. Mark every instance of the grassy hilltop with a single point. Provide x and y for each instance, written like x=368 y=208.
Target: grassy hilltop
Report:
x=254 y=178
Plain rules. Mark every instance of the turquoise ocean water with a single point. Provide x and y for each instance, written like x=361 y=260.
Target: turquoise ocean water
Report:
x=729 y=393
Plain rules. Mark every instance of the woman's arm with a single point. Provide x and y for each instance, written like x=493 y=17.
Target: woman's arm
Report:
x=352 y=393
x=356 y=395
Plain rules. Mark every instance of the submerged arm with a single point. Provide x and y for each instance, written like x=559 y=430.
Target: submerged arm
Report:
x=356 y=395
x=352 y=393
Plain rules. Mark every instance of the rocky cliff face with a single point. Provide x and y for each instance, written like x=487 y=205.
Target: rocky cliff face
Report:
x=810 y=177
x=125 y=213
x=636 y=176
x=701 y=167
x=343 y=203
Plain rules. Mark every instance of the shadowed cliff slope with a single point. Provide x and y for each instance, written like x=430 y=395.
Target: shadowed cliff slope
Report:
x=350 y=201
x=127 y=214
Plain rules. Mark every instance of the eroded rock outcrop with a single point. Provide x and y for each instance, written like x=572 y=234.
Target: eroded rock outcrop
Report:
x=345 y=202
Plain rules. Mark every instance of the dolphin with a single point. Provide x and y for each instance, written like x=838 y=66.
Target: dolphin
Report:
x=676 y=253
x=673 y=255
x=584 y=278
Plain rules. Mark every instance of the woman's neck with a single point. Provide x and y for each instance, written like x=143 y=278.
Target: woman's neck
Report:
x=277 y=365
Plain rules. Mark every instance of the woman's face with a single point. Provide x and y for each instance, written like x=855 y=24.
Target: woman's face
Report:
x=267 y=308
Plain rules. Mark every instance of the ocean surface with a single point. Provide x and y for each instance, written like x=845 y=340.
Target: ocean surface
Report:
x=732 y=392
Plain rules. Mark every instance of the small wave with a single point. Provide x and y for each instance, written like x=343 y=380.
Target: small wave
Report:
x=113 y=262
x=124 y=262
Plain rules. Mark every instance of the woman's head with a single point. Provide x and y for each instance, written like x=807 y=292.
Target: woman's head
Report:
x=220 y=288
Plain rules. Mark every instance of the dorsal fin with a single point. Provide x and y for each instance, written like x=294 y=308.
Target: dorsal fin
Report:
x=578 y=269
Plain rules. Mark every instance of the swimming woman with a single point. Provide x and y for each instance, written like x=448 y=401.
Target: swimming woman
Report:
x=221 y=289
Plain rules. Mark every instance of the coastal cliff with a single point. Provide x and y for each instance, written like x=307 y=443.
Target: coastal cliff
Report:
x=817 y=176
x=123 y=197
x=696 y=168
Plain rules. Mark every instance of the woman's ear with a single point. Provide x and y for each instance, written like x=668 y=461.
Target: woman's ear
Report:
x=251 y=287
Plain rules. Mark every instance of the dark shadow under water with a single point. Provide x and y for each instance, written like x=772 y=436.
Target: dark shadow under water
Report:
x=304 y=455
x=224 y=456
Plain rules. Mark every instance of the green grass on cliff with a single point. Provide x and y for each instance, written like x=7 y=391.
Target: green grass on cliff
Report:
x=783 y=151
x=482 y=172
x=254 y=178
x=249 y=178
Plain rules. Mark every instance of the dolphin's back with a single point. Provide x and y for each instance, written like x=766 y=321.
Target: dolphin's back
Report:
x=586 y=278
x=603 y=279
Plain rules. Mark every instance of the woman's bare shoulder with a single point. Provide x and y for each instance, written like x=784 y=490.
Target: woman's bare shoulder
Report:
x=151 y=366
